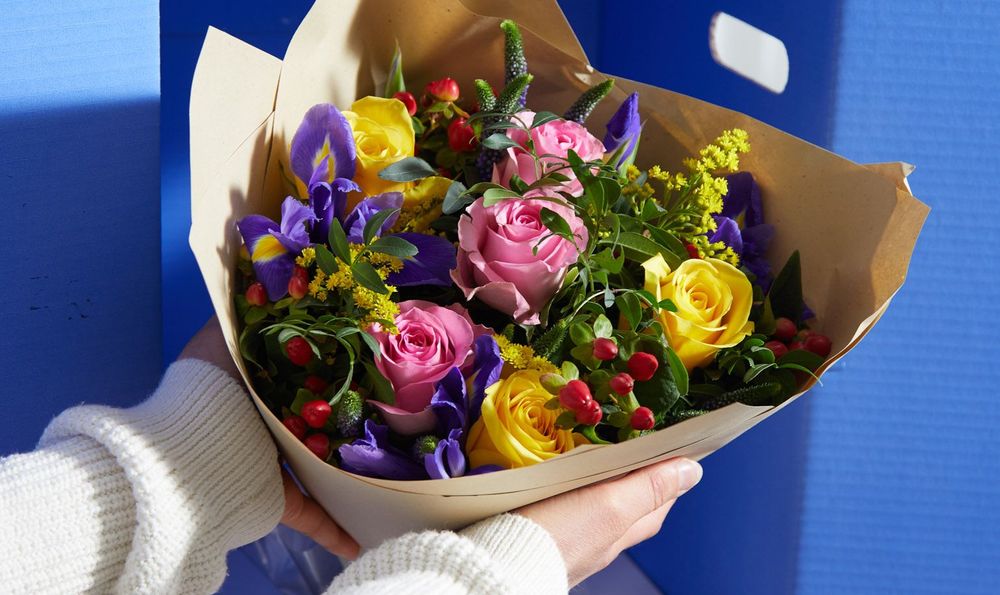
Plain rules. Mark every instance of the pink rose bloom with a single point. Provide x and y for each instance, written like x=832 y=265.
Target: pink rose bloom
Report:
x=553 y=141
x=495 y=259
x=431 y=341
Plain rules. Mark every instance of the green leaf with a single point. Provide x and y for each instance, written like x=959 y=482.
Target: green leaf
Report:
x=801 y=357
x=566 y=420
x=326 y=260
x=660 y=393
x=643 y=246
x=603 y=327
x=542 y=118
x=569 y=371
x=373 y=226
x=679 y=371
x=365 y=275
x=338 y=242
x=786 y=290
x=500 y=142
x=555 y=223
x=581 y=334
x=607 y=260
x=455 y=199
x=395 y=83
x=394 y=246
x=628 y=305
x=409 y=169
x=494 y=195
x=755 y=371
x=591 y=435
x=381 y=387
x=255 y=315
x=302 y=396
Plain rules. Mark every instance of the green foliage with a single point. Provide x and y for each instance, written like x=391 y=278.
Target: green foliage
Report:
x=585 y=104
x=409 y=169
x=785 y=294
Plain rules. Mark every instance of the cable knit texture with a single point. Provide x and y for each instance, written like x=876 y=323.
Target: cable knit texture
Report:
x=501 y=555
x=150 y=499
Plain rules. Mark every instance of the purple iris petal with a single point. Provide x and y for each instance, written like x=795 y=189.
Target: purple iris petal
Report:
x=431 y=266
x=488 y=366
x=294 y=216
x=727 y=232
x=447 y=460
x=273 y=264
x=624 y=127
x=328 y=202
x=743 y=198
x=449 y=402
x=324 y=131
x=354 y=224
x=373 y=456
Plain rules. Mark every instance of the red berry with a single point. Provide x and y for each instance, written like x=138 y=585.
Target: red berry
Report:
x=621 y=383
x=408 y=100
x=301 y=272
x=316 y=413
x=819 y=344
x=643 y=365
x=298 y=287
x=605 y=349
x=692 y=250
x=795 y=345
x=296 y=425
x=784 y=329
x=643 y=419
x=804 y=334
x=319 y=444
x=256 y=294
x=575 y=395
x=590 y=415
x=299 y=351
x=315 y=384
x=777 y=347
x=445 y=89
x=461 y=136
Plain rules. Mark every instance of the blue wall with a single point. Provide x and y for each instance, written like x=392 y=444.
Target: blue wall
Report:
x=79 y=186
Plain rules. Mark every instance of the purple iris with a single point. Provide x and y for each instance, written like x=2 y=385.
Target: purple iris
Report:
x=447 y=460
x=273 y=247
x=624 y=128
x=743 y=204
x=372 y=455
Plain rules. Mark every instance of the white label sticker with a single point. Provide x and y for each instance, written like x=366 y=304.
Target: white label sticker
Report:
x=749 y=52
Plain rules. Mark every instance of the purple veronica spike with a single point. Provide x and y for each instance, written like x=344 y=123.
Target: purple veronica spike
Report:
x=328 y=202
x=373 y=456
x=488 y=366
x=354 y=224
x=450 y=403
x=624 y=127
x=273 y=247
x=447 y=460
x=324 y=133
x=432 y=265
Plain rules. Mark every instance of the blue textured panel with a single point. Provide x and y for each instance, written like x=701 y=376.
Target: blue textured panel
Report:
x=904 y=459
x=79 y=167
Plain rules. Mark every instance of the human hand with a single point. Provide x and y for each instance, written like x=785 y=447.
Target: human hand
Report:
x=209 y=345
x=306 y=516
x=625 y=511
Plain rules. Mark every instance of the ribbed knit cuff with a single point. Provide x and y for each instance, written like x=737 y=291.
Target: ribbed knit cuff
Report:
x=203 y=470
x=524 y=551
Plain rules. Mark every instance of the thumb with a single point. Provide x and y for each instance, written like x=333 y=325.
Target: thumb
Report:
x=649 y=489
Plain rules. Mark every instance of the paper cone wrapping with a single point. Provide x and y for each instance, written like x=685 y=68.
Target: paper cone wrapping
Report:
x=854 y=225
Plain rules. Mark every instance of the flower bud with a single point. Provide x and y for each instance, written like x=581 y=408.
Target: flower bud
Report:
x=461 y=136
x=590 y=415
x=256 y=294
x=299 y=351
x=621 y=383
x=605 y=349
x=642 y=419
x=408 y=100
x=316 y=413
x=575 y=395
x=445 y=89
x=642 y=365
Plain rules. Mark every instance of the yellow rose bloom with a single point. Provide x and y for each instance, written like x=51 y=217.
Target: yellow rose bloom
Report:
x=383 y=134
x=422 y=204
x=713 y=300
x=514 y=428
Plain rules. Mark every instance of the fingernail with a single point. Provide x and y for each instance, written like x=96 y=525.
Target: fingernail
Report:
x=689 y=474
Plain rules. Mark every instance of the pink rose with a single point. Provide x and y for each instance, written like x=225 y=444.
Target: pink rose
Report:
x=495 y=259
x=431 y=341
x=552 y=141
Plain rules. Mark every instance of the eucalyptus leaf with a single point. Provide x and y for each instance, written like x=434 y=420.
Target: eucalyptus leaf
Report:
x=455 y=199
x=365 y=275
x=500 y=142
x=394 y=246
x=409 y=169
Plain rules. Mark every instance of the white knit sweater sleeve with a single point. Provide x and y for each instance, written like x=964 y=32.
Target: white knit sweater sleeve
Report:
x=141 y=500
x=506 y=554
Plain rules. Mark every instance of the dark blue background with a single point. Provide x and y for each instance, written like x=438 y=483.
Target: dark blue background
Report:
x=884 y=481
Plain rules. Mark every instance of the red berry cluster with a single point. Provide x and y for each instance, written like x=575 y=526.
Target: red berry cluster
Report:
x=576 y=397
x=314 y=414
x=787 y=337
x=298 y=285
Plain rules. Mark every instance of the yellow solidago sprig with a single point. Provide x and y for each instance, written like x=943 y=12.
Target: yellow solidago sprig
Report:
x=360 y=283
x=522 y=357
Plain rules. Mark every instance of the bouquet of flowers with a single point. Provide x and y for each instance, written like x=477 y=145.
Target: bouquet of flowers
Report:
x=460 y=285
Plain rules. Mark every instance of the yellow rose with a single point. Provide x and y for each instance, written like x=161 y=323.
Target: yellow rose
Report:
x=383 y=134
x=514 y=428
x=713 y=300
x=422 y=204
